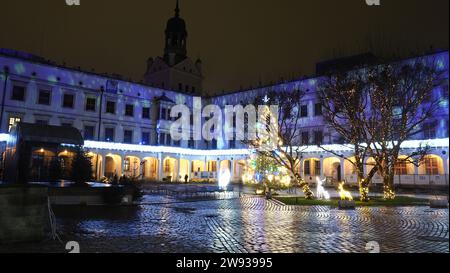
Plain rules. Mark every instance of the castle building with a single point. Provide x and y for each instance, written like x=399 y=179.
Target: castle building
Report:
x=126 y=125
x=175 y=70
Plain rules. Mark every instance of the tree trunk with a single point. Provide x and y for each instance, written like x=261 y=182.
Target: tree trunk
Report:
x=388 y=186
x=363 y=184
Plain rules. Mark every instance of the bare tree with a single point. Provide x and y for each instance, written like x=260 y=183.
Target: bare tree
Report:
x=344 y=99
x=279 y=138
x=401 y=102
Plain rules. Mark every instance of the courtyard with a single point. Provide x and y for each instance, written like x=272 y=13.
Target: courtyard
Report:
x=244 y=223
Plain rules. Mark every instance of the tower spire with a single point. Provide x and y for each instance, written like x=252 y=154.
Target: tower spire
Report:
x=177 y=9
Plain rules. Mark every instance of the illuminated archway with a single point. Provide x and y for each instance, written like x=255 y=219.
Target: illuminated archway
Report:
x=197 y=166
x=240 y=168
x=150 y=170
x=184 y=169
x=132 y=166
x=113 y=166
x=332 y=168
x=431 y=165
x=225 y=165
x=169 y=171
x=349 y=167
x=97 y=165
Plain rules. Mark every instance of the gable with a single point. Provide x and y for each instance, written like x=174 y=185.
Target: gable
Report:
x=188 y=66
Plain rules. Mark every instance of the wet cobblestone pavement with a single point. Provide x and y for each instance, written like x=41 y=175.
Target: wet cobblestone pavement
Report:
x=245 y=225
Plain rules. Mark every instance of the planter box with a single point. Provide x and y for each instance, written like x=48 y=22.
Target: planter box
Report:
x=23 y=213
x=439 y=203
x=344 y=204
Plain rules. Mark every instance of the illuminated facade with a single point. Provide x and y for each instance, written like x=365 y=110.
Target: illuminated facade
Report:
x=126 y=124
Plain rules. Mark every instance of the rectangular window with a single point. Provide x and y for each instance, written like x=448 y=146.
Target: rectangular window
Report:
x=13 y=122
x=307 y=167
x=129 y=110
x=316 y=167
x=431 y=166
x=89 y=132
x=18 y=93
x=305 y=138
x=109 y=134
x=400 y=168
x=304 y=111
x=127 y=136
x=318 y=137
x=145 y=138
x=44 y=97
x=111 y=107
x=68 y=100
x=318 y=109
x=126 y=164
x=167 y=166
x=180 y=87
x=193 y=89
x=429 y=130
x=146 y=112
x=91 y=104
x=212 y=166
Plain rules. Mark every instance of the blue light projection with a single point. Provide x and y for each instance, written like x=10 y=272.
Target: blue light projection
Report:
x=19 y=68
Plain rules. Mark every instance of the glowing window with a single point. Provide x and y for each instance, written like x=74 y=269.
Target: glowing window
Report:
x=431 y=166
x=13 y=122
x=127 y=164
x=401 y=168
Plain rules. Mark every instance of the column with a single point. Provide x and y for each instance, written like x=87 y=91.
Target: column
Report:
x=218 y=168
x=301 y=169
x=342 y=166
x=189 y=169
x=444 y=162
x=322 y=171
x=160 y=167
x=232 y=170
x=102 y=167
x=176 y=170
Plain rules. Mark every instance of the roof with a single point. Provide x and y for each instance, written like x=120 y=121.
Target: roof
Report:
x=346 y=63
x=49 y=134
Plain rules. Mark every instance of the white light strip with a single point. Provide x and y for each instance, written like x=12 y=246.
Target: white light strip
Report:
x=162 y=149
x=4 y=137
x=409 y=144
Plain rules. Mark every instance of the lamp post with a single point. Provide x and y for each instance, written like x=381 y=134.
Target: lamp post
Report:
x=6 y=73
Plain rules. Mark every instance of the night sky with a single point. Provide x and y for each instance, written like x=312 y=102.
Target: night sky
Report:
x=241 y=42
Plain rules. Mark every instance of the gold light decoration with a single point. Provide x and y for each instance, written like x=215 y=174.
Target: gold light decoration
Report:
x=345 y=195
